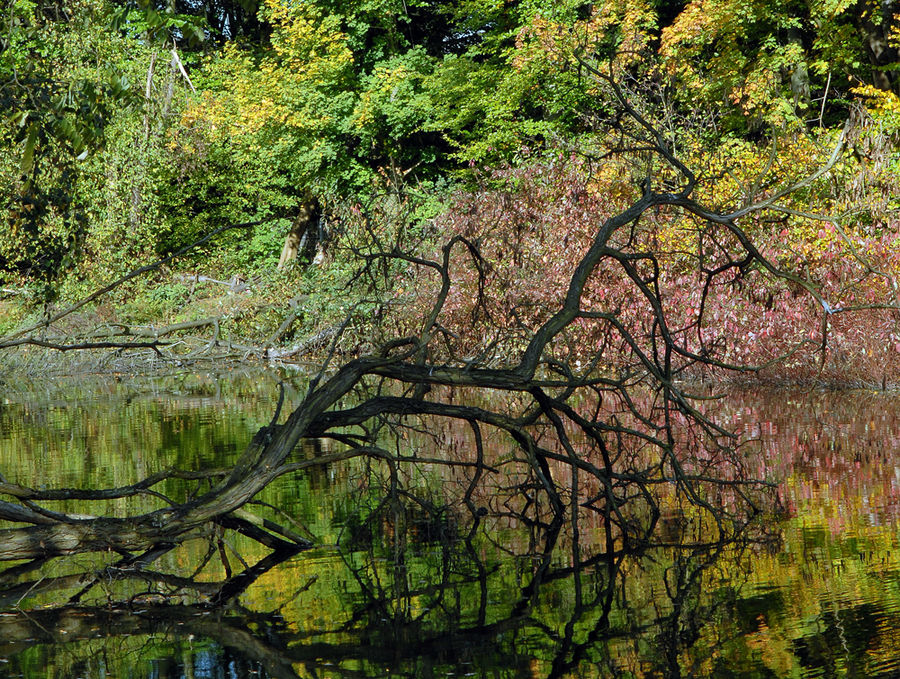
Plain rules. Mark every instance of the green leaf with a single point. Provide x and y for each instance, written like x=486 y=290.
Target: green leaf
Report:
x=27 y=161
x=19 y=118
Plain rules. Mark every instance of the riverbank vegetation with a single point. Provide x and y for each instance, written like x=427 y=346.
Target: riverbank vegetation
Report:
x=336 y=131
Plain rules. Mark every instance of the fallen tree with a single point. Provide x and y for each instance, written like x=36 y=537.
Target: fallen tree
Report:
x=629 y=444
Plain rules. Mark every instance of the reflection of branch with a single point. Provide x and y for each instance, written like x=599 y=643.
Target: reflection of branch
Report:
x=25 y=493
x=19 y=632
x=383 y=632
x=134 y=568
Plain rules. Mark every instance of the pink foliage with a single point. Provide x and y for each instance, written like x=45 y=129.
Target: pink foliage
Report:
x=532 y=231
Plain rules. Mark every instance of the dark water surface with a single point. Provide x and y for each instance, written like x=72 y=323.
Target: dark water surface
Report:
x=420 y=593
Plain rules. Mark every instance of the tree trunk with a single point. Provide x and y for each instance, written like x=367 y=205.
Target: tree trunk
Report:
x=876 y=23
x=301 y=236
x=261 y=463
x=800 y=75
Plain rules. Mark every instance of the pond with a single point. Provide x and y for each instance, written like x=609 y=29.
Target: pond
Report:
x=426 y=590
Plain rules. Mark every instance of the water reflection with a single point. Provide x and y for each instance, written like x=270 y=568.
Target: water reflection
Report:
x=454 y=613
x=413 y=587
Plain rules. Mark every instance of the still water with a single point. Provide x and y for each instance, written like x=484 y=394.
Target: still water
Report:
x=414 y=592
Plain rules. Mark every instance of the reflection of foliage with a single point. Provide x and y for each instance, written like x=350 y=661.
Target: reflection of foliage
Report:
x=452 y=590
x=340 y=101
x=448 y=607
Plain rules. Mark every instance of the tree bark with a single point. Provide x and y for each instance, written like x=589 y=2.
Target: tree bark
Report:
x=302 y=235
x=875 y=21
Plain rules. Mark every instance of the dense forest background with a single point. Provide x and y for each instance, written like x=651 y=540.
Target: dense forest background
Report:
x=335 y=131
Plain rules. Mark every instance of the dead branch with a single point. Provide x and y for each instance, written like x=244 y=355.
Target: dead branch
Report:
x=612 y=441
x=135 y=273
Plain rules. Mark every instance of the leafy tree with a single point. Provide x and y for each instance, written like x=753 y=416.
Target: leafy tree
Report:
x=346 y=93
x=773 y=63
x=59 y=85
x=523 y=86
x=329 y=102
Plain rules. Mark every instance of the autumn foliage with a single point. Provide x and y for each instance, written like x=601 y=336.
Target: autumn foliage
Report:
x=481 y=121
x=530 y=225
